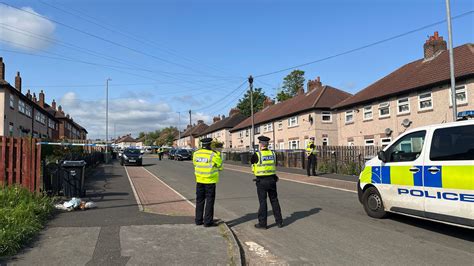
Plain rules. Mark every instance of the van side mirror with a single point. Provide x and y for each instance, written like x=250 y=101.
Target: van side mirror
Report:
x=382 y=156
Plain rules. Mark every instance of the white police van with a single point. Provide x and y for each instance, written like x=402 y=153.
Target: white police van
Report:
x=427 y=172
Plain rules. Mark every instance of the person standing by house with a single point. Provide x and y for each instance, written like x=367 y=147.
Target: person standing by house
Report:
x=207 y=165
x=264 y=169
x=311 y=155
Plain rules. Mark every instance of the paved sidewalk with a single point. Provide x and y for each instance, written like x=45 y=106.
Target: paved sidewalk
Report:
x=117 y=233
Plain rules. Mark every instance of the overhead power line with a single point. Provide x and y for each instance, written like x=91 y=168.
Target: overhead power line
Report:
x=220 y=99
x=104 y=39
x=109 y=27
x=365 y=46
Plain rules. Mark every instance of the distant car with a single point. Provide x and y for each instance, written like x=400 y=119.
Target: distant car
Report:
x=131 y=156
x=171 y=154
x=182 y=155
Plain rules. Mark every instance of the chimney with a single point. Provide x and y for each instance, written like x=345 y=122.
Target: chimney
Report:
x=234 y=111
x=2 y=69
x=314 y=84
x=267 y=102
x=434 y=45
x=18 y=81
x=200 y=122
x=300 y=91
x=34 y=98
x=28 y=94
x=216 y=118
x=60 y=109
x=41 y=99
x=53 y=104
x=223 y=116
x=67 y=116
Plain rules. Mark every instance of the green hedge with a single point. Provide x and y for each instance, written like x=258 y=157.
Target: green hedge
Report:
x=22 y=215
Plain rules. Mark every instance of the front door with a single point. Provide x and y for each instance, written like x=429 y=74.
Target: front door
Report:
x=402 y=174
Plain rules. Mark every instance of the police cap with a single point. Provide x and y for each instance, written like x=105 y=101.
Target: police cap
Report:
x=206 y=140
x=263 y=139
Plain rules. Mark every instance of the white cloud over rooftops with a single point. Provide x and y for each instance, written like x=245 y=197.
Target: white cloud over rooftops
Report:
x=19 y=29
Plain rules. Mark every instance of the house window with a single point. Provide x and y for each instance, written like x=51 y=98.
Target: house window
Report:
x=461 y=96
x=368 y=113
x=270 y=146
x=326 y=116
x=294 y=144
x=21 y=106
x=369 y=142
x=241 y=134
x=325 y=141
x=403 y=106
x=282 y=145
x=28 y=110
x=384 y=109
x=267 y=127
x=280 y=125
x=51 y=124
x=293 y=121
x=10 y=129
x=385 y=142
x=12 y=101
x=246 y=132
x=350 y=143
x=425 y=101
x=349 y=116
x=257 y=130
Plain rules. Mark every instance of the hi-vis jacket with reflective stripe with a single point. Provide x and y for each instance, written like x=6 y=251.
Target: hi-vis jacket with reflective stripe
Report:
x=266 y=163
x=207 y=164
x=310 y=150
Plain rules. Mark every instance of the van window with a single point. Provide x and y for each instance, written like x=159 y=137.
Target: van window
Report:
x=453 y=143
x=408 y=148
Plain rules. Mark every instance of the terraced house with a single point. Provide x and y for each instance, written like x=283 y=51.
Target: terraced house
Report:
x=190 y=136
x=290 y=124
x=221 y=126
x=416 y=94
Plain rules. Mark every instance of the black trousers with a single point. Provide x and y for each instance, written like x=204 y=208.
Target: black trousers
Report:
x=267 y=186
x=311 y=166
x=205 y=197
x=160 y=155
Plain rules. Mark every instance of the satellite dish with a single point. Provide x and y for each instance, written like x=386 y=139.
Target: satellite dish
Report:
x=388 y=131
x=406 y=122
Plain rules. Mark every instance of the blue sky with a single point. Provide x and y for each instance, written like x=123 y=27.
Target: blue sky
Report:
x=206 y=49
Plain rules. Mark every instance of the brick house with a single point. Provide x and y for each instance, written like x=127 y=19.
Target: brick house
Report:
x=220 y=129
x=416 y=94
x=190 y=136
x=126 y=141
x=20 y=114
x=290 y=124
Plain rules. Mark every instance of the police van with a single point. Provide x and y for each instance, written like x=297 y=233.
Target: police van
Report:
x=426 y=172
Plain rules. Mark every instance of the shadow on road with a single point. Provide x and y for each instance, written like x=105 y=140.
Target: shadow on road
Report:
x=286 y=221
x=435 y=227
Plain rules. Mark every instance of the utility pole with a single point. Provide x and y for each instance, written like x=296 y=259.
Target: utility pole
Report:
x=107 y=120
x=190 y=121
x=252 y=137
x=451 y=60
x=179 y=131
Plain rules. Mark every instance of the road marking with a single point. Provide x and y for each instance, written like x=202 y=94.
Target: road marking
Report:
x=303 y=182
x=257 y=249
x=179 y=194
x=140 y=206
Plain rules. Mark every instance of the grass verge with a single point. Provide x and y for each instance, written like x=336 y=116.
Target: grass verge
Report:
x=22 y=215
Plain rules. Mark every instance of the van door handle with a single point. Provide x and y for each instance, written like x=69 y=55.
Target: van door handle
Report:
x=433 y=170
x=414 y=169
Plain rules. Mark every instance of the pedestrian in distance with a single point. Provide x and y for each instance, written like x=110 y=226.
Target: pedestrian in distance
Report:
x=311 y=155
x=264 y=169
x=160 y=153
x=207 y=165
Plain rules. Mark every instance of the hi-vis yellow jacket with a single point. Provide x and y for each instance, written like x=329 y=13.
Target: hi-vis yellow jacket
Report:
x=207 y=164
x=266 y=163
x=309 y=150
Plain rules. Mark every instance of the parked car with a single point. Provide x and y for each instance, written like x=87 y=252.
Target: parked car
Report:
x=182 y=155
x=171 y=154
x=131 y=156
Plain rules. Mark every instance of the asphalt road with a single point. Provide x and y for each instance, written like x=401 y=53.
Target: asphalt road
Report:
x=323 y=225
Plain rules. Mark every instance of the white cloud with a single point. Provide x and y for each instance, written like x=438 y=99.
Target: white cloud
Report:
x=17 y=28
x=130 y=115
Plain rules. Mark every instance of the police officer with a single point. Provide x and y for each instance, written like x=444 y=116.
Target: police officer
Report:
x=311 y=155
x=160 y=153
x=207 y=164
x=264 y=168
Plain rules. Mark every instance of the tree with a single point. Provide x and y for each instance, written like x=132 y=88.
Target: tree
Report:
x=291 y=84
x=258 y=99
x=166 y=136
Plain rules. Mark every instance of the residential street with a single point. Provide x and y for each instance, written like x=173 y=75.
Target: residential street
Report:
x=322 y=225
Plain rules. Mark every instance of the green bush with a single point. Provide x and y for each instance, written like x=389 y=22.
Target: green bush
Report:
x=22 y=215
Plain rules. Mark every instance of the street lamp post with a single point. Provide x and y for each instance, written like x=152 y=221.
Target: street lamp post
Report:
x=179 y=131
x=252 y=137
x=451 y=60
x=107 y=120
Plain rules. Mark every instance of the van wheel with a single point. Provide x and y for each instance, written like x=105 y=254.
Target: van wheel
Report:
x=373 y=203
